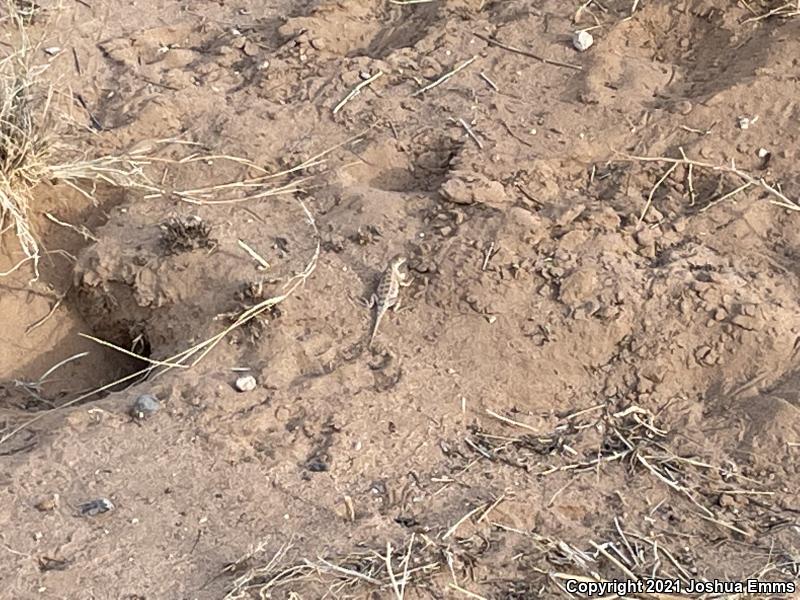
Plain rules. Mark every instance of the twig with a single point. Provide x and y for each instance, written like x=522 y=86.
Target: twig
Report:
x=487 y=256
x=356 y=91
x=548 y=61
x=80 y=230
x=445 y=77
x=491 y=83
x=392 y=578
x=653 y=191
x=49 y=314
x=57 y=366
x=494 y=505
x=458 y=523
x=467 y=593
x=471 y=133
x=158 y=363
x=782 y=200
x=491 y=413
x=724 y=197
x=349 y=572
x=253 y=254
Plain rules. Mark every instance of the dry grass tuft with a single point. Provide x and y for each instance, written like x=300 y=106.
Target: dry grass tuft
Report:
x=32 y=146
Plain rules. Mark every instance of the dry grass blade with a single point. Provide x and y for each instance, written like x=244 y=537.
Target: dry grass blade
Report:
x=31 y=137
x=783 y=11
x=778 y=197
x=384 y=572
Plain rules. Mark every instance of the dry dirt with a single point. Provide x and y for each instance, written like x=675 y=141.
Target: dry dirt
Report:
x=568 y=371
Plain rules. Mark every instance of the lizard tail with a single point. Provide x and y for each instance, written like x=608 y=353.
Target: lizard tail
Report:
x=374 y=329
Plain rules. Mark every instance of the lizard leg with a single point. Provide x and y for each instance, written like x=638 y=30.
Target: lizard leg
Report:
x=368 y=302
x=396 y=305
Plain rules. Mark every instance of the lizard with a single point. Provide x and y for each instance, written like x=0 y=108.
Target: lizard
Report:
x=387 y=295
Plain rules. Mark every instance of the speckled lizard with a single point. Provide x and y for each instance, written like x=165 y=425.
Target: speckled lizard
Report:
x=387 y=294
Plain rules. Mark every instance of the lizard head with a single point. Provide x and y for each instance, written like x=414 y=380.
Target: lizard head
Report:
x=397 y=261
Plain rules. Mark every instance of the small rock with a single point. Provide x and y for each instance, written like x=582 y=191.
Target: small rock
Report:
x=47 y=504
x=250 y=49
x=470 y=188
x=726 y=501
x=763 y=153
x=746 y=122
x=96 y=507
x=704 y=355
x=582 y=41
x=644 y=237
x=145 y=405
x=246 y=383
x=318 y=43
x=52 y=50
x=746 y=322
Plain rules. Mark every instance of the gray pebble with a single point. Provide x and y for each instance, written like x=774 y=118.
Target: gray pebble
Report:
x=92 y=508
x=246 y=383
x=145 y=405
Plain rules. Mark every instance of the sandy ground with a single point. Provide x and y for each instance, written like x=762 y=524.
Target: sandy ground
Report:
x=594 y=371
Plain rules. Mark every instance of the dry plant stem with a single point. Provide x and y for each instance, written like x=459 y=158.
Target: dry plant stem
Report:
x=790 y=9
x=465 y=592
x=782 y=200
x=471 y=133
x=398 y=592
x=491 y=83
x=356 y=91
x=499 y=417
x=445 y=77
x=653 y=191
x=158 y=363
x=253 y=254
x=256 y=182
x=548 y=61
x=80 y=230
x=458 y=523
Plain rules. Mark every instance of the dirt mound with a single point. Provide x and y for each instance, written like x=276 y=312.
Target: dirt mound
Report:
x=592 y=378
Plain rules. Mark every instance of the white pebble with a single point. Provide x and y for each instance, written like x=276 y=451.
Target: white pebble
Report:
x=746 y=122
x=52 y=50
x=582 y=40
x=246 y=383
x=763 y=153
